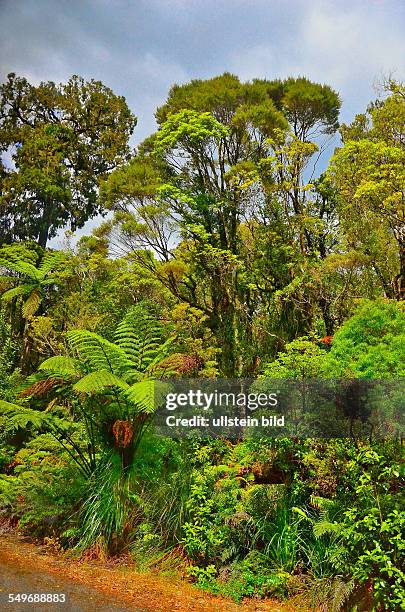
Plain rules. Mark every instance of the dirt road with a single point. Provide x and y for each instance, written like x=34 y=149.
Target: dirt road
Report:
x=98 y=587
x=15 y=579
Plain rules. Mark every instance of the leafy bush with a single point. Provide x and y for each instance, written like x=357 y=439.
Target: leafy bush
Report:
x=373 y=527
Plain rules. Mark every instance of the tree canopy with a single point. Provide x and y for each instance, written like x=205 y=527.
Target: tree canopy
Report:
x=61 y=140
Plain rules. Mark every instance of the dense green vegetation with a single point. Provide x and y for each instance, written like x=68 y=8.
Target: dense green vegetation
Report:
x=224 y=254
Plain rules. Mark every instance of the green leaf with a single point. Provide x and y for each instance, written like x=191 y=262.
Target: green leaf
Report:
x=95 y=382
x=20 y=416
x=21 y=267
x=142 y=395
x=31 y=304
x=60 y=366
x=10 y=294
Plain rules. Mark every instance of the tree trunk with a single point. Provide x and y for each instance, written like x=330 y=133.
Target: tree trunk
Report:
x=45 y=224
x=327 y=316
x=401 y=276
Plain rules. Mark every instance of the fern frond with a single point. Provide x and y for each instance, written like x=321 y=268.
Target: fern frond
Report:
x=139 y=334
x=49 y=280
x=10 y=294
x=99 y=353
x=341 y=591
x=21 y=267
x=6 y=278
x=60 y=366
x=40 y=387
x=142 y=396
x=31 y=304
x=322 y=504
x=20 y=417
x=50 y=261
x=162 y=352
x=95 y=382
x=325 y=527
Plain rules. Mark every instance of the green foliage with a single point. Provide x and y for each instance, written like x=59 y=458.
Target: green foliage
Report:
x=188 y=129
x=109 y=508
x=8 y=359
x=105 y=377
x=368 y=174
x=34 y=281
x=219 y=258
x=226 y=170
x=371 y=343
x=373 y=527
x=62 y=138
x=301 y=358
x=43 y=488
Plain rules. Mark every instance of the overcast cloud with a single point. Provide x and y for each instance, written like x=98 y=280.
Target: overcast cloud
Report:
x=141 y=47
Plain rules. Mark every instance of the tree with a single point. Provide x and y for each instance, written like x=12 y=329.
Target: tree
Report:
x=34 y=288
x=108 y=383
x=206 y=184
x=368 y=173
x=33 y=281
x=62 y=139
x=109 y=389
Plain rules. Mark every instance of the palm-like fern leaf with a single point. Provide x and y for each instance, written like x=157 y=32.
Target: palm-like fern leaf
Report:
x=323 y=527
x=10 y=294
x=61 y=366
x=99 y=353
x=20 y=417
x=142 y=395
x=165 y=350
x=95 y=382
x=50 y=261
x=39 y=387
x=31 y=304
x=140 y=336
x=21 y=267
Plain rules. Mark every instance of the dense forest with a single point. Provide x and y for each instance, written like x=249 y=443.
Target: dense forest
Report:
x=250 y=237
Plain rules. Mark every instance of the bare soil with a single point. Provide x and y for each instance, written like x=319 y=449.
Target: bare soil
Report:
x=94 y=586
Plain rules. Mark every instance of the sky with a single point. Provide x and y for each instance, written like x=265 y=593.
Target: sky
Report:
x=140 y=48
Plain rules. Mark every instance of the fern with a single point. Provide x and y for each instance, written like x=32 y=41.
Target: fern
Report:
x=60 y=366
x=140 y=335
x=31 y=304
x=324 y=527
x=10 y=294
x=20 y=416
x=98 y=381
x=142 y=395
x=50 y=261
x=21 y=267
x=99 y=353
x=108 y=385
x=32 y=281
x=330 y=594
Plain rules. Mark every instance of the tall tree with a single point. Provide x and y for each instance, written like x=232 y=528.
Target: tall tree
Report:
x=369 y=175
x=206 y=179
x=61 y=139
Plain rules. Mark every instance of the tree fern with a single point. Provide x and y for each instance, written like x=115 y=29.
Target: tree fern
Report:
x=107 y=385
x=140 y=335
x=98 y=381
x=61 y=366
x=99 y=353
x=20 y=416
x=32 y=280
